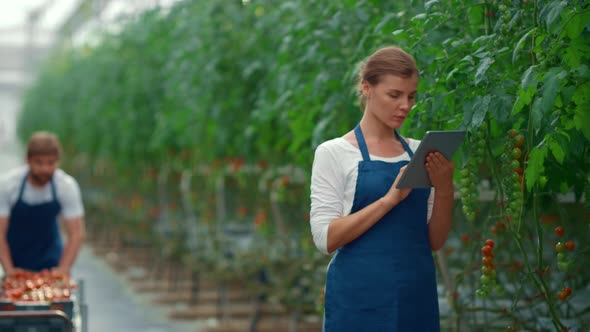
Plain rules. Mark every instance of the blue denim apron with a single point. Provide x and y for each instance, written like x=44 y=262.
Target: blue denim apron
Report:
x=33 y=233
x=385 y=279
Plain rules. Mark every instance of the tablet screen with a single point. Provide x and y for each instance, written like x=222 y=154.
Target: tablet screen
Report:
x=444 y=141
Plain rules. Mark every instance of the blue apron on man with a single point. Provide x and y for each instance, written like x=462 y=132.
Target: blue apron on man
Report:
x=384 y=281
x=33 y=232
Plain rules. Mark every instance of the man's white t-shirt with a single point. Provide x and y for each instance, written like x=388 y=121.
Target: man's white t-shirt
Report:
x=333 y=184
x=66 y=189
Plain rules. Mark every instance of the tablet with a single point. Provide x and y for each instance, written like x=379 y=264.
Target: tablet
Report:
x=443 y=141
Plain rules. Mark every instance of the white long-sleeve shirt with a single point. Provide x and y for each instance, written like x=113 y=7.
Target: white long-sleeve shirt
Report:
x=333 y=184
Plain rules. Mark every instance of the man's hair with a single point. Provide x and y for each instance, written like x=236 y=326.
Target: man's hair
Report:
x=44 y=143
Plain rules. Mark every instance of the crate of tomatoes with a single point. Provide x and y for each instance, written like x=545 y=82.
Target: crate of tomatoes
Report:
x=44 y=291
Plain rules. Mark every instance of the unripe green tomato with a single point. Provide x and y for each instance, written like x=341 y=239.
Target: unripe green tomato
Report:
x=542 y=181
x=481 y=143
x=465 y=172
x=502 y=8
x=516 y=186
x=563 y=266
x=559 y=247
x=561 y=256
x=481 y=293
x=465 y=182
x=505 y=28
x=471 y=216
x=514 y=205
x=485 y=279
x=515 y=164
x=464 y=191
x=486 y=270
x=506 y=18
x=479 y=154
x=467 y=209
x=516 y=153
x=509 y=211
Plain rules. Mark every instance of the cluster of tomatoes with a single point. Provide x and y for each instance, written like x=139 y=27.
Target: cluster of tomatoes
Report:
x=563 y=263
x=506 y=16
x=513 y=184
x=564 y=293
x=37 y=286
x=488 y=270
x=469 y=180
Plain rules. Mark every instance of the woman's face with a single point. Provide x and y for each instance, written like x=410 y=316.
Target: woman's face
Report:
x=391 y=100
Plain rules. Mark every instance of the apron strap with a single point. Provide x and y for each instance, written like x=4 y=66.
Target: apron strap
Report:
x=24 y=182
x=22 y=187
x=361 y=142
x=363 y=145
x=53 y=191
x=406 y=146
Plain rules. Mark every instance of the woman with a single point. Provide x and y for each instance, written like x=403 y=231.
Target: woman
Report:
x=381 y=277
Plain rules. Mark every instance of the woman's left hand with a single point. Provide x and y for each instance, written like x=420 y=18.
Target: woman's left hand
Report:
x=440 y=170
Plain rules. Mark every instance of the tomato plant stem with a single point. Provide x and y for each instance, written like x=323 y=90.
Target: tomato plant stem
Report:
x=539 y=284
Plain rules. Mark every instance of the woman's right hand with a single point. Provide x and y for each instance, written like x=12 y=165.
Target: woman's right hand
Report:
x=394 y=196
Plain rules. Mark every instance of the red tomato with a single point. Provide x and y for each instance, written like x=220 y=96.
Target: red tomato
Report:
x=570 y=245
x=490 y=242
x=559 y=231
x=465 y=239
x=487 y=251
x=518 y=141
x=512 y=133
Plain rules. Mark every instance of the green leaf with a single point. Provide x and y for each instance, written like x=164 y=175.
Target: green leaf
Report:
x=480 y=109
x=564 y=187
x=582 y=71
x=582 y=119
x=483 y=67
x=384 y=21
x=577 y=24
x=529 y=78
x=552 y=11
x=582 y=94
x=557 y=151
x=535 y=166
x=576 y=52
x=476 y=17
x=430 y=4
x=525 y=96
x=551 y=85
x=500 y=106
x=537 y=113
x=520 y=43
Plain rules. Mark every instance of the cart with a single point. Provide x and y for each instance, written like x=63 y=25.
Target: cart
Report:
x=69 y=315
